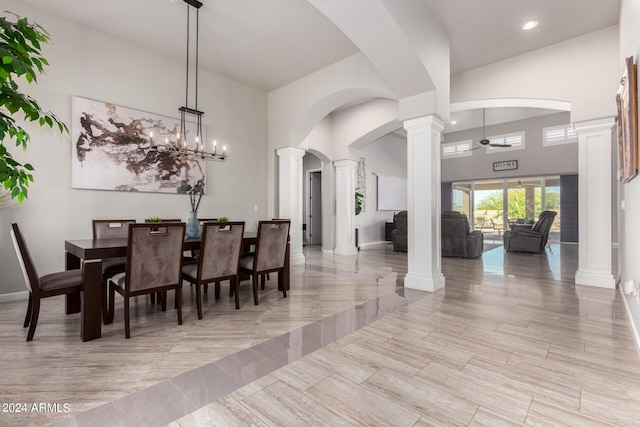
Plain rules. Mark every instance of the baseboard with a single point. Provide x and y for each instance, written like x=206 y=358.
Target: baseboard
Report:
x=636 y=336
x=15 y=296
x=364 y=245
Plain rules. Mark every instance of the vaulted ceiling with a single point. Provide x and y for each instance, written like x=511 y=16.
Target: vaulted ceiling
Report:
x=269 y=43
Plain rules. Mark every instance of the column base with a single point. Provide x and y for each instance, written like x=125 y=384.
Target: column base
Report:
x=600 y=280
x=350 y=250
x=297 y=259
x=424 y=283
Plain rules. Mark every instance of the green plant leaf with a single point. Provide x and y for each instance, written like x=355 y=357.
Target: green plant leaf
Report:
x=20 y=45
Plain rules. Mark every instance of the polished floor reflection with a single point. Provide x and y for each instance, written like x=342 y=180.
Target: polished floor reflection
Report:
x=509 y=341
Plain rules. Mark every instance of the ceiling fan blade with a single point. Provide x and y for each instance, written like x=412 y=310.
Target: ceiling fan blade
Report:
x=499 y=145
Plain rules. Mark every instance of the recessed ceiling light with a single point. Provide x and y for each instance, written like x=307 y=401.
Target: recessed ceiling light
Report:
x=530 y=25
x=454 y=122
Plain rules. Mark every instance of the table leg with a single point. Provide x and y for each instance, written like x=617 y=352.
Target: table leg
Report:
x=91 y=317
x=72 y=303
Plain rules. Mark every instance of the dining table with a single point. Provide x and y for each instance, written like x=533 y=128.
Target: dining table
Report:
x=87 y=254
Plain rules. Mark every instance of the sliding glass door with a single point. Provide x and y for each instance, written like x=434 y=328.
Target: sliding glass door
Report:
x=552 y=203
x=497 y=205
x=524 y=200
x=488 y=197
x=462 y=199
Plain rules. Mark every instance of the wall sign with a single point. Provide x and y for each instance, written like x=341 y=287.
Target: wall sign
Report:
x=505 y=166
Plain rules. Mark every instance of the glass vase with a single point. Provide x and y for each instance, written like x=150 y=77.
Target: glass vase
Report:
x=194 y=229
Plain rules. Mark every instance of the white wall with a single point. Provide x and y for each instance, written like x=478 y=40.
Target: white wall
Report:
x=629 y=226
x=295 y=109
x=583 y=71
x=535 y=159
x=90 y=64
x=386 y=156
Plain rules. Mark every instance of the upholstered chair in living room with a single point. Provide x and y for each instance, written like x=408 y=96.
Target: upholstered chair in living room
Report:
x=457 y=240
x=534 y=239
x=399 y=235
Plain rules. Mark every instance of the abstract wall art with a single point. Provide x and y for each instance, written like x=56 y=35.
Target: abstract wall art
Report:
x=626 y=100
x=111 y=150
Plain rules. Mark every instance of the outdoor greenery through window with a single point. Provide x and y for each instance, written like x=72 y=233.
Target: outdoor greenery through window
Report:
x=496 y=206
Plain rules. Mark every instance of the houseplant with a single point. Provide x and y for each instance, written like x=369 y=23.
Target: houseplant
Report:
x=359 y=197
x=195 y=192
x=20 y=60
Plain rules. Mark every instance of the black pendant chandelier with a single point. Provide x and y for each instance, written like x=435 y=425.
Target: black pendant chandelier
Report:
x=182 y=145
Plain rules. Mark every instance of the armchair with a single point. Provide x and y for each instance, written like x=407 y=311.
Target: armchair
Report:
x=457 y=240
x=534 y=239
x=399 y=235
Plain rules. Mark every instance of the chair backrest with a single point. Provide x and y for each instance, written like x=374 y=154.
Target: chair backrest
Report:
x=400 y=221
x=454 y=224
x=271 y=245
x=162 y=220
x=203 y=220
x=154 y=256
x=111 y=228
x=220 y=248
x=545 y=220
x=31 y=278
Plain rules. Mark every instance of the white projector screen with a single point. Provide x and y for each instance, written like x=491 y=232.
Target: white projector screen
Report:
x=392 y=193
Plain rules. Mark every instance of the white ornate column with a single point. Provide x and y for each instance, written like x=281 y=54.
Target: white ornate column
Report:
x=345 y=207
x=594 y=203
x=423 y=199
x=290 y=197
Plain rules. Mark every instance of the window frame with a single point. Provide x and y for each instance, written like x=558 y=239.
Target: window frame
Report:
x=460 y=150
x=569 y=135
x=499 y=139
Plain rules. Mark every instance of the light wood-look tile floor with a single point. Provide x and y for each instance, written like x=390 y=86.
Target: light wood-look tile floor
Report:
x=509 y=341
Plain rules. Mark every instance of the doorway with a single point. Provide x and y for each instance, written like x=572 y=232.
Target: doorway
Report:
x=314 y=210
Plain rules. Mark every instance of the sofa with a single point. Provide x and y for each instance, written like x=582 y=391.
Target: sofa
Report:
x=457 y=240
x=399 y=235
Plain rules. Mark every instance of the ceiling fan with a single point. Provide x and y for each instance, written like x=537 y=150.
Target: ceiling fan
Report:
x=485 y=142
x=520 y=184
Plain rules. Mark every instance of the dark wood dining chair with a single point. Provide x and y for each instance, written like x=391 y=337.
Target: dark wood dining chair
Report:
x=111 y=229
x=154 y=264
x=270 y=253
x=185 y=260
x=220 y=248
x=194 y=253
x=49 y=285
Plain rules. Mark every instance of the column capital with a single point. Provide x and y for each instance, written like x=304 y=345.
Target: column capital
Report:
x=293 y=152
x=421 y=122
x=597 y=125
x=345 y=163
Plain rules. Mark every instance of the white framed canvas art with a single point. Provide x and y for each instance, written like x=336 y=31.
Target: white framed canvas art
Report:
x=111 y=150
